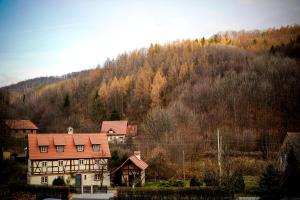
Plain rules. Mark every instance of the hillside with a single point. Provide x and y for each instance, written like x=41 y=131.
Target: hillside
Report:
x=35 y=83
x=181 y=93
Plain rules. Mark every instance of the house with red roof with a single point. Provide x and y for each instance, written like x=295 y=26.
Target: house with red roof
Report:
x=19 y=128
x=131 y=172
x=117 y=131
x=80 y=159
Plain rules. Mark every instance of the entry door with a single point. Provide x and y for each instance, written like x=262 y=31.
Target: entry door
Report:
x=78 y=180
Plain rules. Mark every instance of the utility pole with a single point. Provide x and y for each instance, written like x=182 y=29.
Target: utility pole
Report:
x=183 y=165
x=220 y=156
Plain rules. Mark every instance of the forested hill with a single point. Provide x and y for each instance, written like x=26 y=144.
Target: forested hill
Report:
x=188 y=86
x=36 y=83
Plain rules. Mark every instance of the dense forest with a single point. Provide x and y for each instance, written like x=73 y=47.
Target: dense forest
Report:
x=246 y=84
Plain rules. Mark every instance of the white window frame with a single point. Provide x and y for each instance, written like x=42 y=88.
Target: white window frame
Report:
x=97 y=177
x=81 y=162
x=60 y=148
x=60 y=163
x=80 y=148
x=44 y=149
x=94 y=147
x=44 y=163
x=44 y=180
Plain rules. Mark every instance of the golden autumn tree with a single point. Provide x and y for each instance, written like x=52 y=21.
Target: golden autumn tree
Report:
x=142 y=90
x=157 y=87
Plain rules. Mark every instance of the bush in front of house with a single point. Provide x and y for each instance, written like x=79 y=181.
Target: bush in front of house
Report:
x=210 y=178
x=173 y=193
x=195 y=181
x=41 y=191
x=270 y=183
x=59 y=181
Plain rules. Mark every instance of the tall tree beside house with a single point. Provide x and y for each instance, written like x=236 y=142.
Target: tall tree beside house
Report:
x=291 y=177
x=270 y=183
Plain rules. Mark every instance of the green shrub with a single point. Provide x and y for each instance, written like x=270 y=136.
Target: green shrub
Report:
x=41 y=192
x=195 y=181
x=173 y=193
x=210 y=178
x=59 y=182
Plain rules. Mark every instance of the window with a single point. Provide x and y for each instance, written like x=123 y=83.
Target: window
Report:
x=80 y=148
x=84 y=177
x=97 y=177
x=60 y=148
x=96 y=147
x=60 y=163
x=44 y=179
x=44 y=149
x=44 y=163
x=97 y=161
x=81 y=162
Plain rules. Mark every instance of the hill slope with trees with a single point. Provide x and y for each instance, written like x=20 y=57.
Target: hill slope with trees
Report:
x=181 y=91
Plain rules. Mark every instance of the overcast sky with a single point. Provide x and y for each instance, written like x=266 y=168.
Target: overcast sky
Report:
x=54 y=37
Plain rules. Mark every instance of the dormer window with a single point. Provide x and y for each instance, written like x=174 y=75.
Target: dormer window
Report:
x=59 y=148
x=96 y=147
x=80 y=148
x=44 y=149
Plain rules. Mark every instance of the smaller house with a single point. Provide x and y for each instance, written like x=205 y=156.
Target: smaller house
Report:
x=19 y=128
x=117 y=131
x=291 y=140
x=131 y=172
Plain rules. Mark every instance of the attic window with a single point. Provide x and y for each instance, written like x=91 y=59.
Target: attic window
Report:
x=80 y=148
x=59 y=148
x=110 y=131
x=96 y=147
x=44 y=149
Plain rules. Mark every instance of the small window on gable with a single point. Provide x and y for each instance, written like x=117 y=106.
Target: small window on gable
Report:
x=80 y=148
x=96 y=147
x=59 y=148
x=44 y=179
x=44 y=149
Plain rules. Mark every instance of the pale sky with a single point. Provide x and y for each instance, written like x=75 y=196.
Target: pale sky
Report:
x=55 y=37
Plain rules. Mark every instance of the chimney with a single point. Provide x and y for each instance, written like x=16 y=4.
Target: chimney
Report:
x=70 y=130
x=138 y=154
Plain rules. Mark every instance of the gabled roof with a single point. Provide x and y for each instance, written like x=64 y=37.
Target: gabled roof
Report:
x=20 y=124
x=117 y=127
x=137 y=162
x=70 y=151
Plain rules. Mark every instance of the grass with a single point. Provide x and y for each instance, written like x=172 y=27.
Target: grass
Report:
x=167 y=183
x=251 y=184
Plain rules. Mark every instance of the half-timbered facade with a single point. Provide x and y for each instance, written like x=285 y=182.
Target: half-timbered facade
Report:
x=131 y=172
x=80 y=159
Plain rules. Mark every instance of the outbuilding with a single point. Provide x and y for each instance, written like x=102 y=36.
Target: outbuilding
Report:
x=131 y=172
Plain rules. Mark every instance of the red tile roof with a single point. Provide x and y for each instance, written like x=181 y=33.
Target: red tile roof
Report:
x=118 y=127
x=70 y=151
x=59 y=141
x=43 y=140
x=20 y=124
x=137 y=162
x=95 y=139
